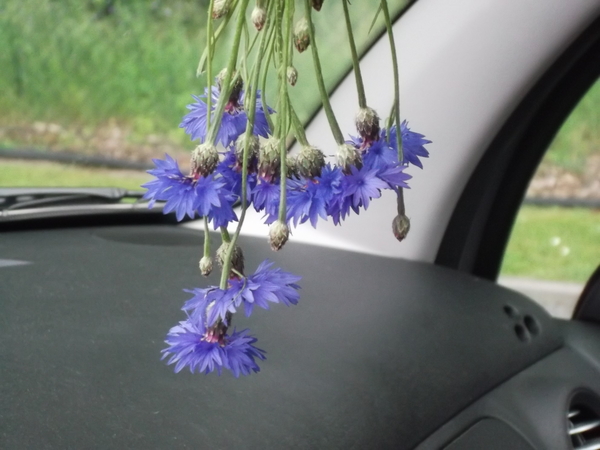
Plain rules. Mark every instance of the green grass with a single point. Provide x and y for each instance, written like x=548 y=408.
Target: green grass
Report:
x=554 y=243
x=47 y=174
x=63 y=63
x=579 y=136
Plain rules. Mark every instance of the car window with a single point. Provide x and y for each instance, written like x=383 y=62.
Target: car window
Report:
x=92 y=90
x=555 y=242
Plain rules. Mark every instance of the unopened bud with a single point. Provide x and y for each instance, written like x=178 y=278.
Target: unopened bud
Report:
x=291 y=163
x=317 y=4
x=292 y=75
x=204 y=159
x=259 y=17
x=220 y=8
x=310 y=161
x=348 y=156
x=206 y=265
x=253 y=149
x=269 y=160
x=278 y=235
x=237 y=258
x=220 y=78
x=239 y=84
x=367 y=125
x=401 y=227
x=301 y=36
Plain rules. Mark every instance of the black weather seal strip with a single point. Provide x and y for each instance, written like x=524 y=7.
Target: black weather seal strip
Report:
x=480 y=226
x=588 y=305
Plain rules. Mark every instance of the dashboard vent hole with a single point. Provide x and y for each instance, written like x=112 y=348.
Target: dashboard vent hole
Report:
x=584 y=428
x=532 y=325
x=522 y=333
x=511 y=311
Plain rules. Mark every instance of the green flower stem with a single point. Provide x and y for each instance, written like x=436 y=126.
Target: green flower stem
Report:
x=226 y=85
x=390 y=32
x=388 y=24
x=263 y=96
x=400 y=202
x=279 y=53
x=335 y=128
x=285 y=41
x=249 y=130
x=206 y=239
x=225 y=235
x=210 y=46
x=216 y=35
x=297 y=124
x=360 y=88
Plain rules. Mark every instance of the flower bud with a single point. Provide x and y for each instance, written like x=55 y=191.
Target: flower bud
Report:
x=259 y=17
x=253 y=149
x=220 y=8
x=204 y=159
x=400 y=227
x=291 y=163
x=237 y=87
x=278 y=235
x=220 y=78
x=310 y=161
x=237 y=258
x=301 y=36
x=269 y=160
x=206 y=265
x=316 y=4
x=367 y=125
x=292 y=75
x=348 y=156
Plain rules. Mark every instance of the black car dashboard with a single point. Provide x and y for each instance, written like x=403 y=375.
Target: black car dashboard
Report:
x=379 y=353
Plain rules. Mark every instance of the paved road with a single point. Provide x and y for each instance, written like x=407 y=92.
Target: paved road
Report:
x=558 y=298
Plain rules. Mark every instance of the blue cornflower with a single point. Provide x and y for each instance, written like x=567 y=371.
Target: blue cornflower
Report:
x=308 y=202
x=265 y=196
x=412 y=144
x=394 y=176
x=329 y=183
x=363 y=185
x=233 y=122
x=360 y=186
x=264 y=286
x=233 y=178
x=188 y=195
x=173 y=187
x=308 y=198
x=188 y=347
x=339 y=207
x=379 y=154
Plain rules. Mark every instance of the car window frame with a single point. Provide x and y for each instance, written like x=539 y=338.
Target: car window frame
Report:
x=478 y=231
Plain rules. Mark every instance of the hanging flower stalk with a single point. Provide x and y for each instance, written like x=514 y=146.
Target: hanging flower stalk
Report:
x=252 y=167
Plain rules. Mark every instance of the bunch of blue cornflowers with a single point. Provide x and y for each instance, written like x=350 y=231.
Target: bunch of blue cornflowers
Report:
x=253 y=168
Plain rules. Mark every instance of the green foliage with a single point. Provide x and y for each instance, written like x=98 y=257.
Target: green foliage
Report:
x=81 y=63
x=579 y=137
x=71 y=61
x=554 y=243
x=46 y=174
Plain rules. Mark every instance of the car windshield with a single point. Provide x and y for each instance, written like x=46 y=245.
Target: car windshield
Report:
x=92 y=91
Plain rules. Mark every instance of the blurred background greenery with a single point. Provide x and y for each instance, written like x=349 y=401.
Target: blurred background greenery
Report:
x=113 y=77
x=85 y=64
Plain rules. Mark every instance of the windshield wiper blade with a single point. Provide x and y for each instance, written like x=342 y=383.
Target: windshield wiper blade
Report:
x=28 y=198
